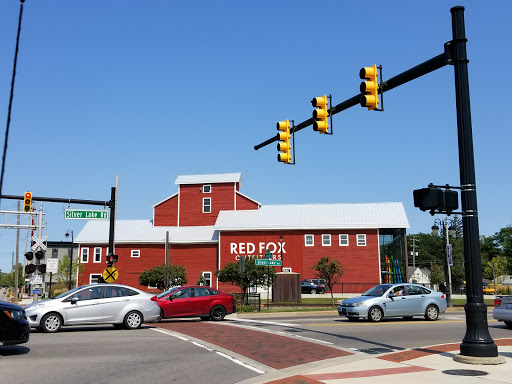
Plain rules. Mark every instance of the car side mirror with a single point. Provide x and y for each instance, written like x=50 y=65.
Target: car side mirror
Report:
x=74 y=300
x=171 y=297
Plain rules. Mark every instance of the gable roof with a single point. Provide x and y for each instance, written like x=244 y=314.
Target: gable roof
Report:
x=315 y=216
x=210 y=179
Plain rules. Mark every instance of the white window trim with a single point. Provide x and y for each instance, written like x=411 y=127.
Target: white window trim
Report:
x=135 y=253
x=82 y=255
x=209 y=187
x=94 y=256
x=306 y=240
x=210 y=205
x=323 y=242
x=94 y=274
x=343 y=245
x=363 y=242
x=210 y=278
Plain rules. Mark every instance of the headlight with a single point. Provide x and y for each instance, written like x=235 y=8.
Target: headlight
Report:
x=13 y=314
x=358 y=304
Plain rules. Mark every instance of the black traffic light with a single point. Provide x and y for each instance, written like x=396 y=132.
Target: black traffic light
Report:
x=111 y=259
x=29 y=255
x=42 y=268
x=30 y=268
x=39 y=254
x=442 y=200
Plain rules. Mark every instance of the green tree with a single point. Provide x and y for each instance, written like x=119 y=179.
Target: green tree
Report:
x=500 y=268
x=62 y=275
x=503 y=240
x=201 y=280
x=437 y=274
x=329 y=270
x=7 y=279
x=164 y=276
x=253 y=275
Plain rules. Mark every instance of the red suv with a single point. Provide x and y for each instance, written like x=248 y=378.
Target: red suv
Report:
x=195 y=301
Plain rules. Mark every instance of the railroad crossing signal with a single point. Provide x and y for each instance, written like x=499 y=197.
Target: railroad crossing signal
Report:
x=27 y=202
x=284 y=145
x=320 y=114
x=369 y=88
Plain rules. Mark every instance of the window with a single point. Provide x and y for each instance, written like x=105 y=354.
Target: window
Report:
x=88 y=294
x=309 y=240
x=207 y=189
x=326 y=240
x=119 y=292
x=343 y=240
x=84 y=255
x=207 y=278
x=361 y=240
x=135 y=252
x=207 y=205
x=97 y=255
x=95 y=279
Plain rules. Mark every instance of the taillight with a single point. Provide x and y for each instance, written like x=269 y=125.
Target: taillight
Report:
x=497 y=303
x=442 y=296
x=154 y=298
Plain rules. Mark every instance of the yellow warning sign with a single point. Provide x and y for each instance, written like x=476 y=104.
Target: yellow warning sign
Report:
x=110 y=275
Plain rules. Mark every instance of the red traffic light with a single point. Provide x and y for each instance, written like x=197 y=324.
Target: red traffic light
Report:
x=42 y=268
x=27 y=202
x=30 y=268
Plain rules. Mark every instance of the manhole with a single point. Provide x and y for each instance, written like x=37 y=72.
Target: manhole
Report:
x=465 y=372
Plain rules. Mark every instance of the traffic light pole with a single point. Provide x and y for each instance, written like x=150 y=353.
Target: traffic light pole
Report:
x=477 y=342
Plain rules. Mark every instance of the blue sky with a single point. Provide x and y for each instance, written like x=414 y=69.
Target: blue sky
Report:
x=149 y=90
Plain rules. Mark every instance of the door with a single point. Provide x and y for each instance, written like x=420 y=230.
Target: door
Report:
x=84 y=306
x=112 y=307
x=178 y=303
x=398 y=305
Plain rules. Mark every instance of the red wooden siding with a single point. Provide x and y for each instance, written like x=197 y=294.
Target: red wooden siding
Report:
x=244 y=203
x=166 y=213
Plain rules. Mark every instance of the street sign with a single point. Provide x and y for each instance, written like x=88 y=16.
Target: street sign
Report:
x=52 y=265
x=273 y=263
x=268 y=255
x=36 y=291
x=36 y=279
x=110 y=275
x=85 y=214
x=38 y=242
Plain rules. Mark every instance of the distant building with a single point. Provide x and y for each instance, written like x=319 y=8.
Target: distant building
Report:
x=419 y=275
x=209 y=223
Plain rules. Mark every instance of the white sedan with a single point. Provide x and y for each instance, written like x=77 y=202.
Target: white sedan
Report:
x=115 y=304
x=502 y=310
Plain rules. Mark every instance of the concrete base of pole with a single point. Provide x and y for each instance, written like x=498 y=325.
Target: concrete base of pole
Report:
x=479 y=360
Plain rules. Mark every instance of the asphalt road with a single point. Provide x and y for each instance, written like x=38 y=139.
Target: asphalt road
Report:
x=190 y=351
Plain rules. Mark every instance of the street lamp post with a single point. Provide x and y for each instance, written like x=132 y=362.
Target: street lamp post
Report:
x=448 y=230
x=70 y=255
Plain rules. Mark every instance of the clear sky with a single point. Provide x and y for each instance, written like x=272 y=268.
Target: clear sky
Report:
x=149 y=90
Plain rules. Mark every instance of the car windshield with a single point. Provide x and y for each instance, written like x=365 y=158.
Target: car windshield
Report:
x=66 y=293
x=160 y=295
x=377 y=290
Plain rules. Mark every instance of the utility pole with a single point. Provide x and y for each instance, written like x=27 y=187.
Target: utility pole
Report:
x=16 y=271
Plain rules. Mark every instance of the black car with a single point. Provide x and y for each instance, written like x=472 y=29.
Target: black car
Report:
x=14 y=328
x=310 y=287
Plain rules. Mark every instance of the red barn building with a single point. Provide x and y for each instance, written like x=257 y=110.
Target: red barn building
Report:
x=209 y=223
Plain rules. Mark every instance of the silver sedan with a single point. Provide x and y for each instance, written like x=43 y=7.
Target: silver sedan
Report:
x=394 y=300
x=115 y=304
x=502 y=310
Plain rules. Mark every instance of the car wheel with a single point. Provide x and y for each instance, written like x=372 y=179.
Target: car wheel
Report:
x=352 y=318
x=132 y=320
x=51 y=323
x=431 y=313
x=407 y=317
x=508 y=324
x=321 y=292
x=217 y=313
x=313 y=291
x=375 y=314
x=161 y=317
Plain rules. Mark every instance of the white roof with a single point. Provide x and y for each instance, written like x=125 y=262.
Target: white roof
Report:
x=210 y=179
x=143 y=231
x=315 y=216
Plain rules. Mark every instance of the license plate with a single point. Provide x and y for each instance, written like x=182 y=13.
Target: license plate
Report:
x=508 y=306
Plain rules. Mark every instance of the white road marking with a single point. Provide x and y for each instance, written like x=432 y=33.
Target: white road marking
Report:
x=210 y=350
x=267 y=322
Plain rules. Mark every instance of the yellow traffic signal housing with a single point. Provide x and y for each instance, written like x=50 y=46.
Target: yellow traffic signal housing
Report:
x=284 y=145
x=27 y=202
x=320 y=114
x=369 y=88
